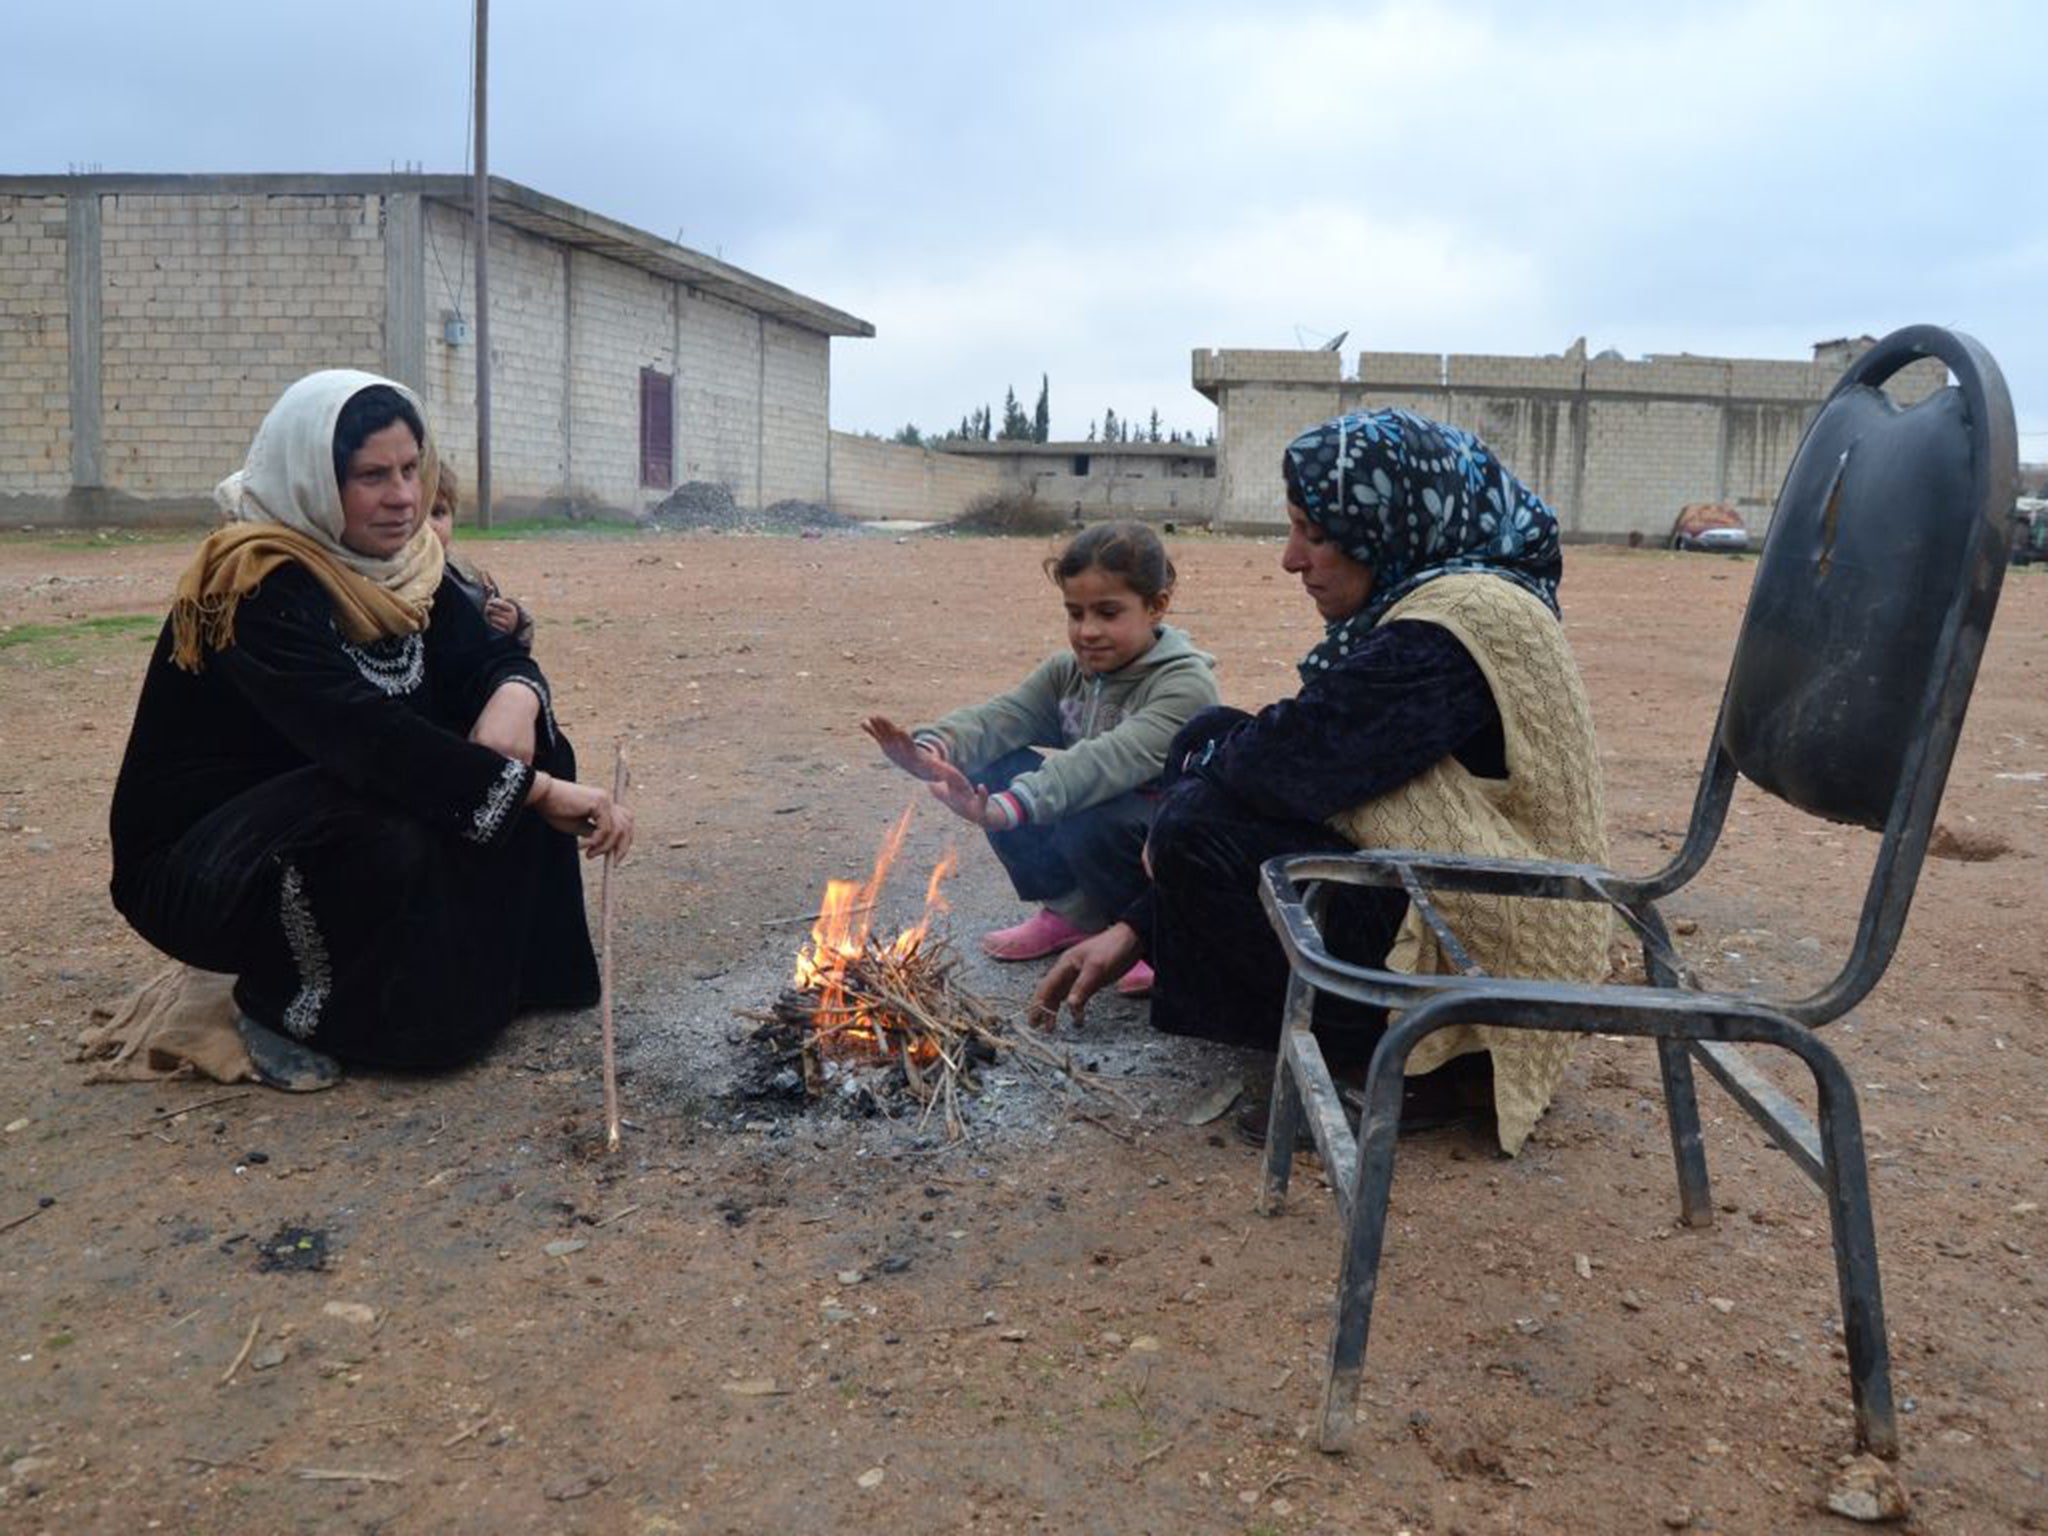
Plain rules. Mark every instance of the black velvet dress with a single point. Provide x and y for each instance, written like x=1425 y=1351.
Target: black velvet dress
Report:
x=308 y=815
x=1241 y=789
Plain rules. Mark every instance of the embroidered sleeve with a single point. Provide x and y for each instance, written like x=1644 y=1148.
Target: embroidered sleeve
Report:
x=500 y=801
x=309 y=956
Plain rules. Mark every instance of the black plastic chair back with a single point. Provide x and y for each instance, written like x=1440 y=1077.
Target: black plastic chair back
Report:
x=1877 y=582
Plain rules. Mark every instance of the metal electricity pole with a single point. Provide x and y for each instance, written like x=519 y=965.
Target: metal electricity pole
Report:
x=482 y=220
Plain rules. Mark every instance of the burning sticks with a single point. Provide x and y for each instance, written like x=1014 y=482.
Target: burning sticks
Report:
x=899 y=1001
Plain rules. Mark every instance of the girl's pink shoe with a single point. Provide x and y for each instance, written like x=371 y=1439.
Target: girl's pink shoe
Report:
x=1136 y=982
x=1044 y=933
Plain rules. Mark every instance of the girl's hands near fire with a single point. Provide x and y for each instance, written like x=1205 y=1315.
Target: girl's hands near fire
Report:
x=1082 y=971
x=585 y=812
x=967 y=801
x=900 y=749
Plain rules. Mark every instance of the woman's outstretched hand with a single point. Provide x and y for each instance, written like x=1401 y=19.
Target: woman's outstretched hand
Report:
x=900 y=749
x=1082 y=971
x=584 y=812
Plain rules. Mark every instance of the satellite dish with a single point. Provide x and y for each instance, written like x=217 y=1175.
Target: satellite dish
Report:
x=1334 y=342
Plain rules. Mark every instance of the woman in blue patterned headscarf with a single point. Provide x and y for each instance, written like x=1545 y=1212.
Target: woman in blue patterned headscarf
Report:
x=1380 y=504
x=1410 y=500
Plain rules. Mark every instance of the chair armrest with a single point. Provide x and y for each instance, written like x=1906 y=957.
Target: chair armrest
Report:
x=1543 y=879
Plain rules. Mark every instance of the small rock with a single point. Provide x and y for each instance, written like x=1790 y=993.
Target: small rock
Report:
x=351 y=1312
x=1868 y=1490
x=834 y=1314
x=1144 y=1344
x=1584 y=1266
x=1685 y=925
x=257 y=1157
x=851 y=1277
x=1721 y=1304
x=577 y=1485
x=562 y=1247
x=18 y=1125
x=1632 y=1301
x=1013 y=1335
x=269 y=1357
x=872 y=1478
x=1528 y=1325
x=756 y=1386
x=1678 y=1517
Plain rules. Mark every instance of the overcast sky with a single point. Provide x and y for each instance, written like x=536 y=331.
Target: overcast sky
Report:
x=1090 y=191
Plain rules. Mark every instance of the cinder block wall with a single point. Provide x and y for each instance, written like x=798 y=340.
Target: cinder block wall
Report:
x=571 y=332
x=1615 y=446
x=795 y=437
x=719 y=428
x=1153 y=497
x=873 y=479
x=530 y=424
x=210 y=306
x=1263 y=402
x=35 y=374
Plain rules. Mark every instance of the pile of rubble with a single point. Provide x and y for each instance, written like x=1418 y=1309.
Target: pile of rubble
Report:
x=708 y=506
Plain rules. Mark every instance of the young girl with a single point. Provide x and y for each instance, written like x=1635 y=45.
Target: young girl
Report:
x=503 y=614
x=1070 y=829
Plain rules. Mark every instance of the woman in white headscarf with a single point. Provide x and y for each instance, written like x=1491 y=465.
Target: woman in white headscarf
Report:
x=342 y=787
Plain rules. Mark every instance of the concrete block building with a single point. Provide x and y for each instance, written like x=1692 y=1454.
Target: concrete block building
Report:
x=1616 y=446
x=147 y=322
x=1163 y=482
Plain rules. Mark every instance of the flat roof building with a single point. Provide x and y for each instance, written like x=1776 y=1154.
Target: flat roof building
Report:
x=147 y=323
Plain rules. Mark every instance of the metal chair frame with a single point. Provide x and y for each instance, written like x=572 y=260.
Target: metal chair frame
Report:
x=1689 y=1025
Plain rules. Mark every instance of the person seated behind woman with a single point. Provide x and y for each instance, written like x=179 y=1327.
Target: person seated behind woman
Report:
x=1070 y=830
x=1441 y=710
x=341 y=786
x=504 y=614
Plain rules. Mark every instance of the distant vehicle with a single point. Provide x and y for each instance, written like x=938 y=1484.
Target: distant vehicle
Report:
x=2030 y=533
x=1710 y=525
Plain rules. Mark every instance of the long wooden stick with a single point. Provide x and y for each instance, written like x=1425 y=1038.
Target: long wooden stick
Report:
x=604 y=975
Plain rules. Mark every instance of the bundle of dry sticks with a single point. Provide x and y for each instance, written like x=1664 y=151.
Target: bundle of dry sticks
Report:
x=905 y=1004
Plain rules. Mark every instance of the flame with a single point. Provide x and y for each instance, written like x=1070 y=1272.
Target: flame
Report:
x=841 y=933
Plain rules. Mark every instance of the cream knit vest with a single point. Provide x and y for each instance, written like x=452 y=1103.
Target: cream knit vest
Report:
x=1548 y=807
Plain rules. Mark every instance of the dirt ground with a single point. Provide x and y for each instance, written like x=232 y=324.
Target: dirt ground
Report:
x=759 y=1322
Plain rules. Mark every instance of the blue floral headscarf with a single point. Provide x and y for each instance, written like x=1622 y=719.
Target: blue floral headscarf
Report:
x=1416 y=499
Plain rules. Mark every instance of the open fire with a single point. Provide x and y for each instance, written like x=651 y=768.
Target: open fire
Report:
x=877 y=1011
x=874 y=1016
x=850 y=976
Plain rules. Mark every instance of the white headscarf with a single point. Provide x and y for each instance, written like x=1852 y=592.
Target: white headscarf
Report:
x=288 y=479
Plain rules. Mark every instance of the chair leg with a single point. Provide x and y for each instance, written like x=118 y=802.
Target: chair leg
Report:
x=1688 y=1150
x=1855 y=1238
x=1364 y=1240
x=1284 y=1123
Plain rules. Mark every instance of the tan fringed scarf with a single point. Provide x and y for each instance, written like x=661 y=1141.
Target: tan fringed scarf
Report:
x=233 y=561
